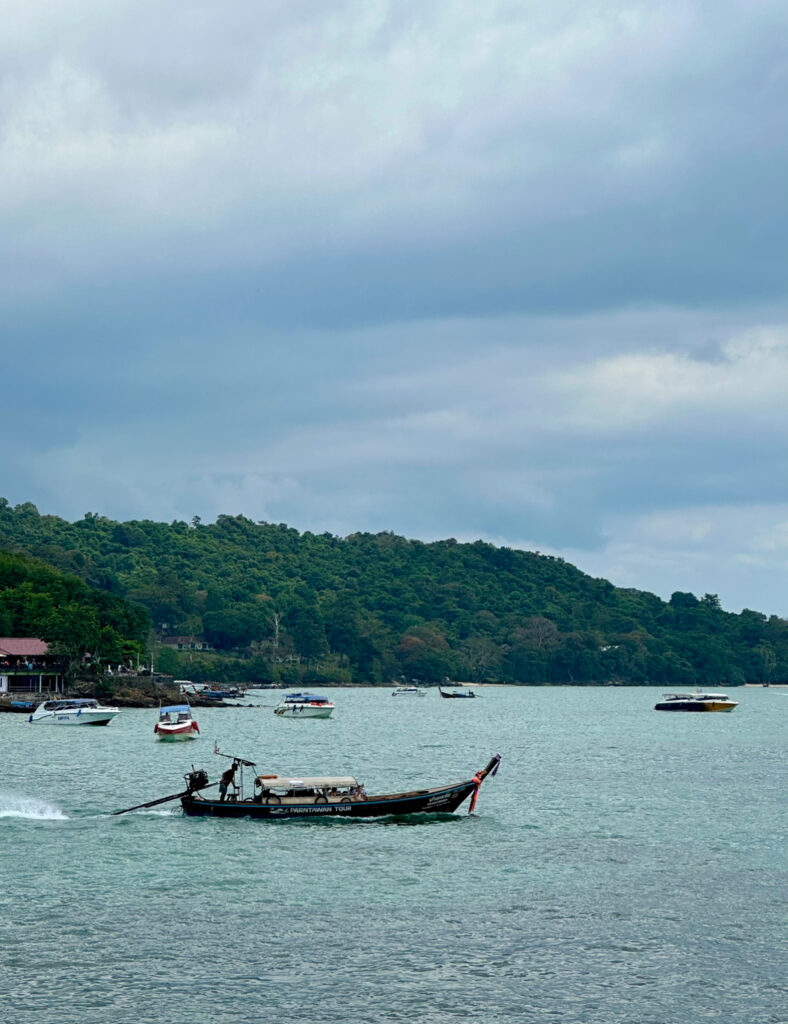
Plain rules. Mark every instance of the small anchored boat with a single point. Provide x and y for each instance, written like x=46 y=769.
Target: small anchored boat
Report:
x=77 y=711
x=696 y=701
x=223 y=693
x=176 y=723
x=304 y=705
x=409 y=691
x=287 y=796
x=455 y=694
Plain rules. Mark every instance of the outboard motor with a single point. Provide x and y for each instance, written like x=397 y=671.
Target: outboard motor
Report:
x=196 y=780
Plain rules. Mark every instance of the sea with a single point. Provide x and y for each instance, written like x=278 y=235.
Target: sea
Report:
x=625 y=866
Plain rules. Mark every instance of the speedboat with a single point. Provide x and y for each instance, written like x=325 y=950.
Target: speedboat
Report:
x=409 y=691
x=304 y=705
x=77 y=711
x=176 y=723
x=695 y=701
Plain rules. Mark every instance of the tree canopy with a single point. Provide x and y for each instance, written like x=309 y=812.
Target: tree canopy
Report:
x=76 y=619
x=380 y=606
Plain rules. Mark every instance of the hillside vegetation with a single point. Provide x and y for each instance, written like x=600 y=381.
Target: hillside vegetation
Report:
x=372 y=608
x=75 y=619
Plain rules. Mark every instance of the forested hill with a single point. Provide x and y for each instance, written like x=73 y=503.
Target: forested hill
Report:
x=76 y=619
x=377 y=607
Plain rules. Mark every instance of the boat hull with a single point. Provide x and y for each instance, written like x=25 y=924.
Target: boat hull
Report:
x=696 y=705
x=303 y=711
x=432 y=801
x=166 y=735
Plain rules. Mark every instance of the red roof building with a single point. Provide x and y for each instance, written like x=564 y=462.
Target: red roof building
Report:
x=22 y=646
x=26 y=666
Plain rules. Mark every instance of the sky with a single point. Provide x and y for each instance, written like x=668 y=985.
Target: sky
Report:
x=474 y=269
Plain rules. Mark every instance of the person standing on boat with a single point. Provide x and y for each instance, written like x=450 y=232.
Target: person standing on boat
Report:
x=227 y=779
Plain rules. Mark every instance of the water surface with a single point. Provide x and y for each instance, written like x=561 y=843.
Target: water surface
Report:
x=625 y=866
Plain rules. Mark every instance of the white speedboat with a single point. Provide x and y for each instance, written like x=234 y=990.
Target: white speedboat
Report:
x=304 y=705
x=696 y=701
x=176 y=723
x=187 y=688
x=77 y=711
x=409 y=691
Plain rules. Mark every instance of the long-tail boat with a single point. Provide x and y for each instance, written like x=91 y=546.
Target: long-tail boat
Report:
x=288 y=796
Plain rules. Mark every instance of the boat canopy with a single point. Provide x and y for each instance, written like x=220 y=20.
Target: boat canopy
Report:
x=307 y=782
x=179 y=708
x=305 y=697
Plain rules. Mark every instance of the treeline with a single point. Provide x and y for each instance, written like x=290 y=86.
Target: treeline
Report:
x=75 y=619
x=373 y=608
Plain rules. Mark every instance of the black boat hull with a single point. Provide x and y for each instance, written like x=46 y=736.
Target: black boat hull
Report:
x=432 y=801
x=689 y=705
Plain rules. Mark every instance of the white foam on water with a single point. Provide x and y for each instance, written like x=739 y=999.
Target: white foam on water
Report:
x=14 y=805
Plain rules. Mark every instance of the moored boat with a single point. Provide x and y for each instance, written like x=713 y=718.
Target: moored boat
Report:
x=456 y=693
x=187 y=688
x=223 y=693
x=77 y=711
x=176 y=723
x=210 y=691
x=409 y=691
x=697 y=700
x=304 y=705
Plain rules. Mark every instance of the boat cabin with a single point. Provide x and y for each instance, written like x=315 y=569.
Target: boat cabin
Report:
x=317 y=789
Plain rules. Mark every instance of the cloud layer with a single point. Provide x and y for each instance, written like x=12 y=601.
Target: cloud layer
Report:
x=470 y=269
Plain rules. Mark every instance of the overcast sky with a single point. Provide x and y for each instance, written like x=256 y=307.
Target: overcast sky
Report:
x=503 y=270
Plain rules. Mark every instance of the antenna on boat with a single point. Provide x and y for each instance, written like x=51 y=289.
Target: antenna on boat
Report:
x=232 y=757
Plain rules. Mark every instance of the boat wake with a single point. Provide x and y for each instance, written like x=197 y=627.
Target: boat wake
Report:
x=12 y=805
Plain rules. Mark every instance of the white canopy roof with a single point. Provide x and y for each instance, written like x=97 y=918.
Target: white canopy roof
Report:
x=308 y=781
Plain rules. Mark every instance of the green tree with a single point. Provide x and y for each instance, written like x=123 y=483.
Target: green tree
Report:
x=307 y=631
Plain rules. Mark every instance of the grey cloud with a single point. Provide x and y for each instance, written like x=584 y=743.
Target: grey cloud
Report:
x=585 y=165
x=368 y=266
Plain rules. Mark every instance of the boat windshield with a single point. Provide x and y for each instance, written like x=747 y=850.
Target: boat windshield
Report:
x=64 y=705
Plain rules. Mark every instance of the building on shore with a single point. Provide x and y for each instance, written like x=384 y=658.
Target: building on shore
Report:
x=27 y=666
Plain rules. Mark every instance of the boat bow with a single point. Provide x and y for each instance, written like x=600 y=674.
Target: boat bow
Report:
x=479 y=777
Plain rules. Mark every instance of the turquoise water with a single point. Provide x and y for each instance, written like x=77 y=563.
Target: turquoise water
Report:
x=625 y=866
